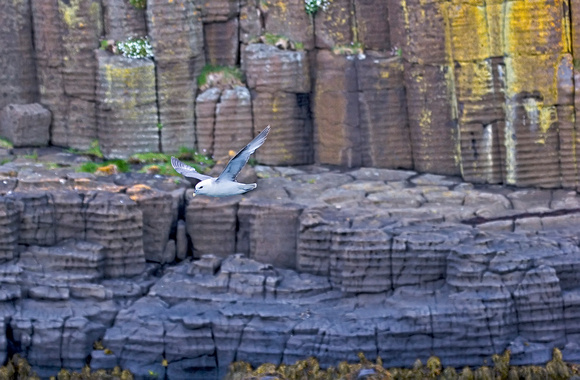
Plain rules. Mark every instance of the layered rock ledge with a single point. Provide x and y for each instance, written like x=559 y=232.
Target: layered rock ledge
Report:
x=314 y=262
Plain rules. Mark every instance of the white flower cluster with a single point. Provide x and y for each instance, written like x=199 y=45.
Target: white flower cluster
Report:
x=312 y=6
x=136 y=47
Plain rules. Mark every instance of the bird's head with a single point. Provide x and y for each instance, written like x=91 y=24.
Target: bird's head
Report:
x=202 y=187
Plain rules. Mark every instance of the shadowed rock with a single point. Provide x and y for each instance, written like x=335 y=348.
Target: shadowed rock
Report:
x=25 y=125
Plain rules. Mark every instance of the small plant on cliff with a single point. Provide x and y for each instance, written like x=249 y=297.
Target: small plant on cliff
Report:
x=313 y=6
x=138 y=4
x=136 y=47
x=219 y=76
x=281 y=42
x=355 y=48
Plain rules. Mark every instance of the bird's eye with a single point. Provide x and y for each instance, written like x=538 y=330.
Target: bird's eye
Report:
x=201 y=187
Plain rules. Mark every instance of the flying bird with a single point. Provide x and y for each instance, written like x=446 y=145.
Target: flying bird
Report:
x=225 y=184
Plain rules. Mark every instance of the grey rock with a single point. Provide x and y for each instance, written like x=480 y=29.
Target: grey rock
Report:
x=181 y=245
x=17 y=67
x=9 y=228
x=26 y=124
x=211 y=225
x=116 y=222
x=540 y=306
x=49 y=293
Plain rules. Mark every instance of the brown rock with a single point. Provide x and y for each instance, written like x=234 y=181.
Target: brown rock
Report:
x=179 y=59
x=224 y=121
x=385 y=140
x=157 y=210
x=65 y=36
x=221 y=42
x=25 y=125
x=288 y=19
x=530 y=143
x=290 y=140
x=17 y=67
x=334 y=26
x=123 y=20
x=271 y=69
x=233 y=124
x=433 y=129
x=336 y=111
x=127 y=108
x=268 y=231
x=205 y=108
x=372 y=23
x=218 y=10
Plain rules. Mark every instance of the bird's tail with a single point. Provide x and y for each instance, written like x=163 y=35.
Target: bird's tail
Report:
x=249 y=187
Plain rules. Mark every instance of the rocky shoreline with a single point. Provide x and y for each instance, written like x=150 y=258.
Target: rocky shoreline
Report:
x=315 y=262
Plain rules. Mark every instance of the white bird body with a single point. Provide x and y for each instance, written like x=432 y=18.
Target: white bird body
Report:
x=225 y=184
x=222 y=188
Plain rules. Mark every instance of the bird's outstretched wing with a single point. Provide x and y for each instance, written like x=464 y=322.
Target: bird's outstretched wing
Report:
x=236 y=164
x=187 y=170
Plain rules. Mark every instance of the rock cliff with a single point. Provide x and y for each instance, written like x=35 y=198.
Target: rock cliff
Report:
x=484 y=91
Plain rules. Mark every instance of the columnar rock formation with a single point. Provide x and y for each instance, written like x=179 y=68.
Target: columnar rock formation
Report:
x=485 y=92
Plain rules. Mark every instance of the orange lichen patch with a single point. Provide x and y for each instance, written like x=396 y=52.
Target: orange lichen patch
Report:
x=108 y=170
x=139 y=191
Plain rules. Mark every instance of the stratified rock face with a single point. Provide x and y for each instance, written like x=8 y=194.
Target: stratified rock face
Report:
x=123 y=20
x=372 y=22
x=334 y=26
x=17 y=81
x=432 y=128
x=384 y=128
x=179 y=58
x=127 y=108
x=224 y=120
x=268 y=231
x=66 y=34
x=116 y=222
x=287 y=19
x=26 y=124
x=280 y=83
x=9 y=228
x=205 y=107
x=211 y=225
x=336 y=111
x=67 y=263
x=221 y=42
x=158 y=216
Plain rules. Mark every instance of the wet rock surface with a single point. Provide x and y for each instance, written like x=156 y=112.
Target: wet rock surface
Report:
x=314 y=262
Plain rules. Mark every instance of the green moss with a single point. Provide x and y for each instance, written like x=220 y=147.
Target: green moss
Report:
x=138 y=4
x=219 y=76
x=313 y=6
x=281 y=42
x=5 y=143
x=148 y=158
x=91 y=167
